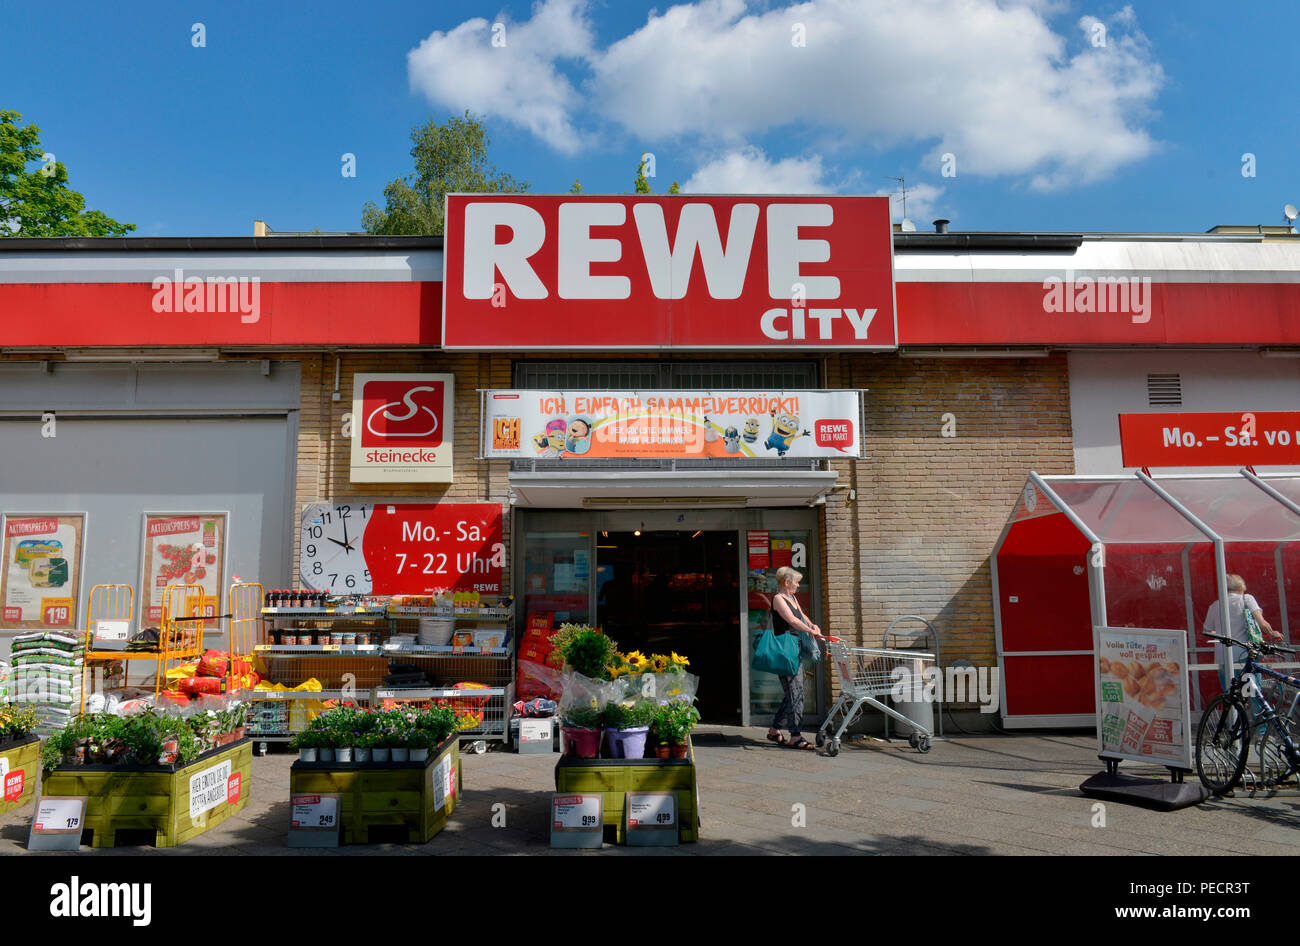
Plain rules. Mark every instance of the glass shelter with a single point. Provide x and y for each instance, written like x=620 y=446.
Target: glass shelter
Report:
x=1133 y=551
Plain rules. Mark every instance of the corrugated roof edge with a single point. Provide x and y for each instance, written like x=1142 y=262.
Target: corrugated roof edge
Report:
x=988 y=241
x=146 y=244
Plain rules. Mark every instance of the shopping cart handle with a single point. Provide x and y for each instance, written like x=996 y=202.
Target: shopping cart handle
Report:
x=832 y=639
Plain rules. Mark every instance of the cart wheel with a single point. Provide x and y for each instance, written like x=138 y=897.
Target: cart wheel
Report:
x=913 y=739
x=821 y=739
x=923 y=744
x=479 y=747
x=833 y=747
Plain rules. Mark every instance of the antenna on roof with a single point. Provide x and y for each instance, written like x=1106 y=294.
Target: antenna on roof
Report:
x=902 y=186
x=1290 y=213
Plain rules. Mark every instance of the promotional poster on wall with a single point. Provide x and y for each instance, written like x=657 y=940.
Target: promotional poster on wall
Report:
x=40 y=584
x=183 y=548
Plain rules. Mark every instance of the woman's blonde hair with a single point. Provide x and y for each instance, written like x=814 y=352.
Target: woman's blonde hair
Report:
x=1236 y=585
x=786 y=573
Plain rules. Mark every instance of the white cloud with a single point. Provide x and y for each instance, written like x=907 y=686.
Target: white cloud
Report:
x=989 y=82
x=750 y=171
x=520 y=80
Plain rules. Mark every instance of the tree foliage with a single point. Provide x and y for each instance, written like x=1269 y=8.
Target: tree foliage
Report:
x=642 y=183
x=449 y=158
x=39 y=203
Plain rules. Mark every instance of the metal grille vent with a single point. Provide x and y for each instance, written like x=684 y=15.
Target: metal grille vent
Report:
x=1164 y=390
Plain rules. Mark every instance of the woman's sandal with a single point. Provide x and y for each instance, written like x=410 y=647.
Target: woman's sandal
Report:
x=801 y=743
x=778 y=738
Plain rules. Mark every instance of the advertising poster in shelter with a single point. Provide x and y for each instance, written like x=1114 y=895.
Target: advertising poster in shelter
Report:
x=40 y=573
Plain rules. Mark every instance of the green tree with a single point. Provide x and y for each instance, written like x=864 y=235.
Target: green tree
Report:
x=39 y=203
x=642 y=183
x=448 y=158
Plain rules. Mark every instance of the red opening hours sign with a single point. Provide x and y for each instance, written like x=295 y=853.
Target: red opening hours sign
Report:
x=527 y=271
x=1250 y=438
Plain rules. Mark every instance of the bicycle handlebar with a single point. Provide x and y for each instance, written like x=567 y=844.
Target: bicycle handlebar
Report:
x=1262 y=646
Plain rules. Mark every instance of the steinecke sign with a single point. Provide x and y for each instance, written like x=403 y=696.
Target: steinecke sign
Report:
x=657 y=272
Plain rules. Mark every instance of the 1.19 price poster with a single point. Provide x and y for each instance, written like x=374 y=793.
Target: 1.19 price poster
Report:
x=183 y=548
x=40 y=571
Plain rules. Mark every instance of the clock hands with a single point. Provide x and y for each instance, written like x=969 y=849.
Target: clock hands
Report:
x=347 y=546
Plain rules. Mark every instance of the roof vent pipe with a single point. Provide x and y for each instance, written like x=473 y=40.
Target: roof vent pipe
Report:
x=941 y=225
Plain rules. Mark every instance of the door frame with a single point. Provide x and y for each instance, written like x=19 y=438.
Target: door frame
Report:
x=712 y=519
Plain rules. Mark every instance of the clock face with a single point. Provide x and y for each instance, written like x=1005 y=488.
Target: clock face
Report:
x=330 y=556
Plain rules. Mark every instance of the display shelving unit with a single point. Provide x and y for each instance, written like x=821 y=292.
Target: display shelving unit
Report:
x=356 y=672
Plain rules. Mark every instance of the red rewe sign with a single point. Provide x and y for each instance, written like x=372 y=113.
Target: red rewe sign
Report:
x=401 y=413
x=1229 y=438
x=418 y=548
x=527 y=271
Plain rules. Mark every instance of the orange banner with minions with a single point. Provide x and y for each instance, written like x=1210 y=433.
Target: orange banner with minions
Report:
x=664 y=425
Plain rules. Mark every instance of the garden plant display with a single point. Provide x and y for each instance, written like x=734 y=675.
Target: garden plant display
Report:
x=15 y=723
x=626 y=694
x=394 y=730
x=144 y=738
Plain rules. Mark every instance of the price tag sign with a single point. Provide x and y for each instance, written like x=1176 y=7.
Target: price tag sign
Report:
x=111 y=631
x=58 y=824
x=314 y=820
x=577 y=821
x=651 y=818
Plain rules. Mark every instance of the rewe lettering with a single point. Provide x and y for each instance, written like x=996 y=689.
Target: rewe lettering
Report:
x=501 y=239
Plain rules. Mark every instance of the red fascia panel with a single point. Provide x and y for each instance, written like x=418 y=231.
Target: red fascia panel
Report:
x=1013 y=313
x=288 y=314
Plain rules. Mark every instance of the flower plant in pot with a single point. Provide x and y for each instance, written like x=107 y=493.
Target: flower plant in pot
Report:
x=581 y=727
x=15 y=723
x=586 y=650
x=431 y=729
x=673 y=723
x=308 y=743
x=627 y=726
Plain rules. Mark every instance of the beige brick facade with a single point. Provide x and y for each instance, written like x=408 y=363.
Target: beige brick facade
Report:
x=915 y=539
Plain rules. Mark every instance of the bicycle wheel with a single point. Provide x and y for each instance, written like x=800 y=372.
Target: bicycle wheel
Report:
x=1222 y=742
x=1274 y=766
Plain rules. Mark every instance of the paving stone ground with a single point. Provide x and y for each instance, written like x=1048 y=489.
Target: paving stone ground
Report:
x=983 y=794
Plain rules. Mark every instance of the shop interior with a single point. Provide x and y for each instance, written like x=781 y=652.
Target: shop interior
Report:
x=659 y=592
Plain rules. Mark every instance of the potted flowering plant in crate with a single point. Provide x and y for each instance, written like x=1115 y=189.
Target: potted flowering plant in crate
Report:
x=309 y=743
x=627 y=726
x=15 y=724
x=581 y=726
x=431 y=729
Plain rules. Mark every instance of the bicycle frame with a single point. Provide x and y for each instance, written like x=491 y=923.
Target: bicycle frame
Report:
x=1269 y=714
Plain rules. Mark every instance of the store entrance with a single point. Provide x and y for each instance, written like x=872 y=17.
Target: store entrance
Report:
x=665 y=591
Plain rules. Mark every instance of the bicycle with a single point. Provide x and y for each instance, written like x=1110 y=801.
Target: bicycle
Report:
x=1228 y=725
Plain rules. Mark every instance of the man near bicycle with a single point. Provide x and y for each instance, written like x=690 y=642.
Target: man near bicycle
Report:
x=1243 y=611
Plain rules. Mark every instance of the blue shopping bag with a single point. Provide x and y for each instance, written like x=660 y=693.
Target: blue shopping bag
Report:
x=777 y=653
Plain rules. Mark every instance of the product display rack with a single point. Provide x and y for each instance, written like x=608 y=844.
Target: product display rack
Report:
x=355 y=672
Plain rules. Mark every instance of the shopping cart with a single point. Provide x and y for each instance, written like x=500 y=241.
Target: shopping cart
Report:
x=866 y=673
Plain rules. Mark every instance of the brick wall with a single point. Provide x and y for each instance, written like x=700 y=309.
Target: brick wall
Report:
x=928 y=508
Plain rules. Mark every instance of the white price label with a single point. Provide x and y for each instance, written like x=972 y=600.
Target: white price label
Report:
x=535 y=730
x=314 y=812
x=652 y=810
x=111 y=630
x=577 y=812
x=59 y=816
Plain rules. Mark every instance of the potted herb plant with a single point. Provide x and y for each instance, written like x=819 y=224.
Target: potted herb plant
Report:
x=434 y=726
x=673 y=723
x=586 y=650
x=627 y=726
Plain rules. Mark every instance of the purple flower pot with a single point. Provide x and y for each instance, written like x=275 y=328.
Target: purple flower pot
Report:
x=627 y=743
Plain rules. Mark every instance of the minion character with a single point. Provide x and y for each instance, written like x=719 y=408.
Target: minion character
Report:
x=579 y=436
x=731 y=440
x=550 y=443
x=785 y=431
x=751 y=430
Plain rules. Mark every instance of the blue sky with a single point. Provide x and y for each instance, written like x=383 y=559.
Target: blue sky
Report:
x=1057 y=115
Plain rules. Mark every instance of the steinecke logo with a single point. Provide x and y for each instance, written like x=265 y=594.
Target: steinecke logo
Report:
x=402 y=414
x=76 y=899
